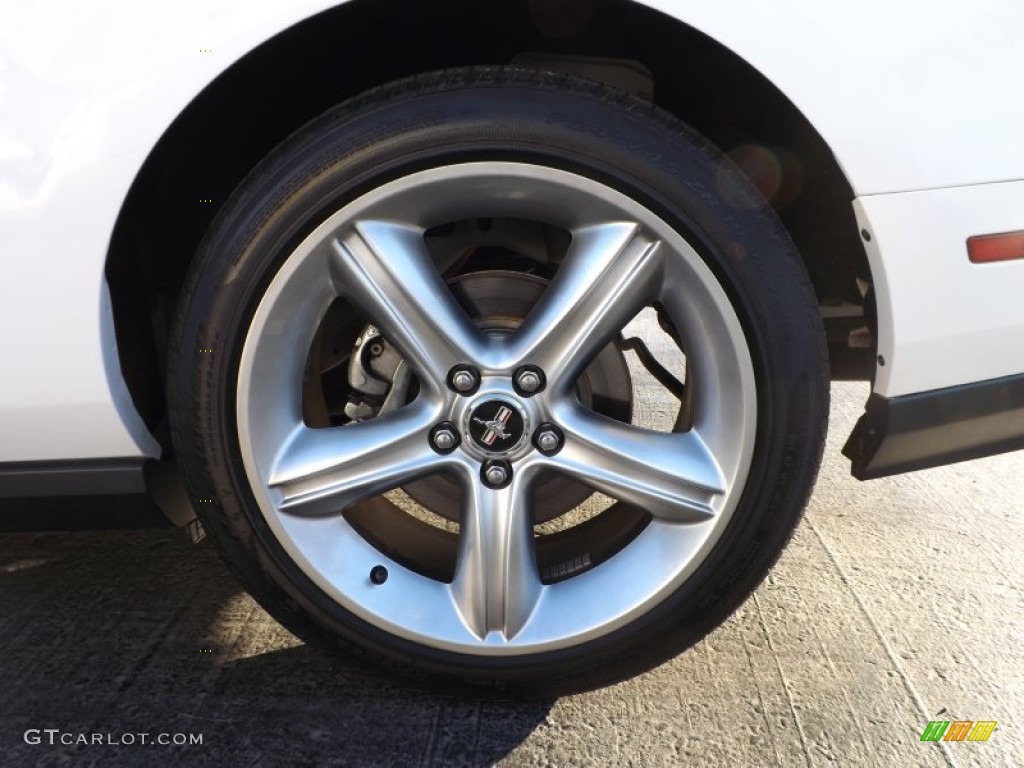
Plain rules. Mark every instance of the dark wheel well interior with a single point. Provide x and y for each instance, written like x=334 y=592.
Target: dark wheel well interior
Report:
x=319 y=62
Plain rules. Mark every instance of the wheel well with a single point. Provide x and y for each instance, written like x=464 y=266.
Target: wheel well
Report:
x=309 y=67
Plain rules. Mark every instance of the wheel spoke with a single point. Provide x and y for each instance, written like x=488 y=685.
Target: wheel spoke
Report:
x=674 y=476
x=496 y=583
x=610 y=272
x=323 y=471
x=386 y=269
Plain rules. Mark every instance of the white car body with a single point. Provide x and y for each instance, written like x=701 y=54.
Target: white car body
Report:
x=919 y=102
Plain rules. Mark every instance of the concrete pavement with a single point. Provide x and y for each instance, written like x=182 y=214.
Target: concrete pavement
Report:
x=899 y=601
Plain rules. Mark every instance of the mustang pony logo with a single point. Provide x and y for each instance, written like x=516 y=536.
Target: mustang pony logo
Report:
x=496 y=426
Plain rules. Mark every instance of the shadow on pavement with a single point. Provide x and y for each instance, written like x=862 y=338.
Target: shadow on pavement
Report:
x=135 y=632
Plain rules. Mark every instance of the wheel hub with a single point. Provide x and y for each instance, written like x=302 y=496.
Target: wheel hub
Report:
x=499 y=301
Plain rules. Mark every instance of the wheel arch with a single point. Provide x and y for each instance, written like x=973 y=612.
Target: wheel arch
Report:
x=292 y=77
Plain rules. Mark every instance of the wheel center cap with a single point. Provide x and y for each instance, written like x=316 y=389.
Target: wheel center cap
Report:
x=496 y=425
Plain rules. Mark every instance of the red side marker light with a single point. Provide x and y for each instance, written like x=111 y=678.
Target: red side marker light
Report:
x=1007 y=246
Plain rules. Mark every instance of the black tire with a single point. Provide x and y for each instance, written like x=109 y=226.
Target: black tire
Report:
x=564 y=122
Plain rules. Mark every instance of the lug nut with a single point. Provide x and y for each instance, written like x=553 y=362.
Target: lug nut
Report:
x=444 y=438
x=529 y=380
x=548 y=439
x=464 y=379
x=496 y=474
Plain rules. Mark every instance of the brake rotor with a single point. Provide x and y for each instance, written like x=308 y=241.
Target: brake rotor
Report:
x=498 y=301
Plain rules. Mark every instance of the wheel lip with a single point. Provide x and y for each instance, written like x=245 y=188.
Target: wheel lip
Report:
x=529 y=173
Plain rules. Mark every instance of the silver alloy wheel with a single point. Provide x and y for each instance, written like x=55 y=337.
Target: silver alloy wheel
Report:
x=622 y=257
